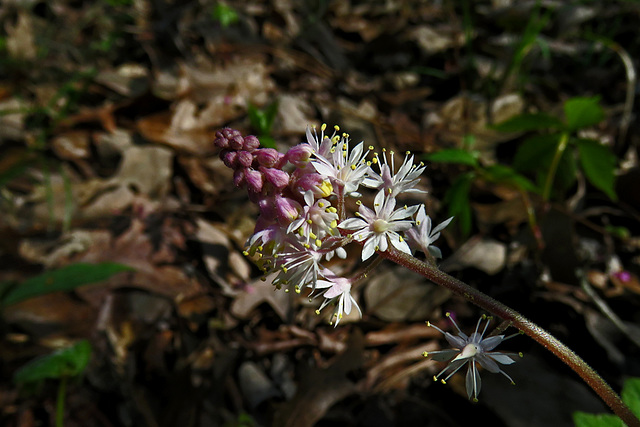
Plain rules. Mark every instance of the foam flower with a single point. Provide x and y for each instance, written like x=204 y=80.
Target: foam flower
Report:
x=472 y=350
x=422 y=236
x=394 y=182
x=379 y=227
x=338 y=290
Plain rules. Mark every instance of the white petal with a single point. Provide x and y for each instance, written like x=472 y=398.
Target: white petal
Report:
x=368 y=250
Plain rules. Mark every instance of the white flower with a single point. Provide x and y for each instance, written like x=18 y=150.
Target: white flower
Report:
x=422 y=236
x=321 y=145
x=471 y=350
x=338 y=288
x=407 y=176
x=379 y=227
x=318 y=219
x=344 y=169
x=299 y=267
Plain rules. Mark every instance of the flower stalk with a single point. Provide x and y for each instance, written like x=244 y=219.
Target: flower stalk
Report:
x=548 y=341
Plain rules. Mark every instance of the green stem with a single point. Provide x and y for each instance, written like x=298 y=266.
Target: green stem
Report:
x=562 y=145
x=543 y=337
x=62 y=392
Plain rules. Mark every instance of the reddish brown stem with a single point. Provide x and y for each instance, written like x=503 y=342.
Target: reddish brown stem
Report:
x=588 y=374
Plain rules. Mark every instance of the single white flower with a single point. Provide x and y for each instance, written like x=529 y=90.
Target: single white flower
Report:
x=469 y=350
x=380 y=226
x=317 y=220
x=298 y=268
x=344 y=169
x=422 y=236
x=394 y=182
x=338 y=289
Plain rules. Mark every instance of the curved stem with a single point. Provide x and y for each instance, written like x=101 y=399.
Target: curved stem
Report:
x=562 y=145
x=543 y=337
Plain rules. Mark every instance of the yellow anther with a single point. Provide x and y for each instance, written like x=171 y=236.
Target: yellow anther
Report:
x=323 y=127
x=284 y=269
x=318 y=242
x=425 y=354
x=309 y=221
x=336 y=127
x=447 y=314
x=332 y=209
x=358 y=202
x=428 y=323
x=401 y=238
x=435 y=378
x=418 y=222
x=300 y=231
x=297 y=290
x=313 y=236
x=384 y=150
x=333 y=224
x=320 y=204
x=377 y=248
x=286 y=291
x=406 y=207
x=306 y=245
x=318 y=312
x=374 y=160
x=245 y=253
x=408 y=152
x=371 y=147
x=353 y=167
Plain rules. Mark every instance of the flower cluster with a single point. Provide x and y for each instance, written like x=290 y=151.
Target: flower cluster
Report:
x=472 y=350
x=301 y=196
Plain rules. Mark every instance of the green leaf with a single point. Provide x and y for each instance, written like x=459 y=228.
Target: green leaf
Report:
x=631 y=395
x=262 y=120
x=455 y=155
x=582 y=112
x=457 y=197
x=506 y=175
x=63 y=279
x=224 y=14
x=582 y=419
x=599 y=164
x=528 y=122
x=68 y=362
x=536 y=153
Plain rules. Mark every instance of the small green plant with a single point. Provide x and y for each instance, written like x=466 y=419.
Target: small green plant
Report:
x=553 y=154
x=62 y=365
x=224 y=14
x=630 y=396
x=262 y=121
x=546 y=153
x=457 y=196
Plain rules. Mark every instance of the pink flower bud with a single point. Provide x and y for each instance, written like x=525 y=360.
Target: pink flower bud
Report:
x=251 y=143
x=268 y=157
x=279 y=179
x=236 y=143
x=229 y=158
x=299 y=155
x=254 y=180
x=238 y=178
x=224 y=135
x=221 y=142
x=287 y=209
x=245 y=158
